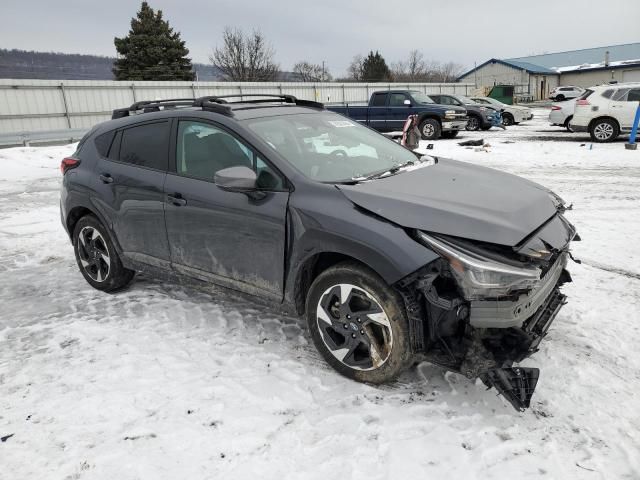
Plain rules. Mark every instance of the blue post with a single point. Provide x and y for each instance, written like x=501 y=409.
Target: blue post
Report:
x=634 y=130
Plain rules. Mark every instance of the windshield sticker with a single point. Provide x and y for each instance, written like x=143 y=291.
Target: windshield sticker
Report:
x=341 y=123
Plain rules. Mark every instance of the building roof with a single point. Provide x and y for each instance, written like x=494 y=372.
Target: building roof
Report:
x=599 y=66
x=528 y=67
x=627 y=51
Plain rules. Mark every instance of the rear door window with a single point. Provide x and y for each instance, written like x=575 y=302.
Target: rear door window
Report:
x=379 y=100
x=633 y=95
x=620 y=95
x=146 y=145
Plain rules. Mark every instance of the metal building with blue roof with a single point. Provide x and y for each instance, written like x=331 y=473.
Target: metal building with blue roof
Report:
x=536 y=75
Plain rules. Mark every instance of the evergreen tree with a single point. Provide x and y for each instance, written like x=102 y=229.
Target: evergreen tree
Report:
x=375 y=69
x=151 y=50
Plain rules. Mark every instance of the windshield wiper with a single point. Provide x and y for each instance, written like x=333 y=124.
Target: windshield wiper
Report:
x=383 y=173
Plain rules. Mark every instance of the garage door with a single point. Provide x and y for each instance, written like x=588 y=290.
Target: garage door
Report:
x=631 y=75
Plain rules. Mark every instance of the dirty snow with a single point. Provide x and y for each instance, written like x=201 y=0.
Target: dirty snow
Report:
x=169 y=381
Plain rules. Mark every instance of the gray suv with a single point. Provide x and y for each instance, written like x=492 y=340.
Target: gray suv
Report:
x=391 y=256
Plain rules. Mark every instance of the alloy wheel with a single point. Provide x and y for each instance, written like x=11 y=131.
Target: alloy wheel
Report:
x=473 y=124
x=94 y=254
x=354 y=327
x=603 y=131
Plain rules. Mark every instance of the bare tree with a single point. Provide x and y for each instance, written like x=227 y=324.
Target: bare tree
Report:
x=355 y=69
x=245 y=57
x=450 y=71
x=312 y=72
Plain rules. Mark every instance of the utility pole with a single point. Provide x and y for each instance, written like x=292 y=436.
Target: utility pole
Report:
x=322 y=79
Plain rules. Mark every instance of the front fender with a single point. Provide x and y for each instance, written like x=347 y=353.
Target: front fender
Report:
x=341 y=227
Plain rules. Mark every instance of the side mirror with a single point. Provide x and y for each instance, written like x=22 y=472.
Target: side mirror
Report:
x=407 y=102
x=236 y=179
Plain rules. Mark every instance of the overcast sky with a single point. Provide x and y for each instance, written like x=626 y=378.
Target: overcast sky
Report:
x=462 y=31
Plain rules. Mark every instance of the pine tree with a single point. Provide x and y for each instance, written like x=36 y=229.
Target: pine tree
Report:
x=375 y=69
x=151 y=50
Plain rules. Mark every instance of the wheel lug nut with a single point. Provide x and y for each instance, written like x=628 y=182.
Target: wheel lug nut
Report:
x=353 y=335
x=358 y=320
x=361 y=332
x=348 y=317
x=345 y=326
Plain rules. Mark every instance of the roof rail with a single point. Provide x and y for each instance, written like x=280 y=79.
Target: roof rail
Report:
x=265 y=98
x=217 y=103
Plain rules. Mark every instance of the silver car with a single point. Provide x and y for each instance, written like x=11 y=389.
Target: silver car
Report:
x=562 y=113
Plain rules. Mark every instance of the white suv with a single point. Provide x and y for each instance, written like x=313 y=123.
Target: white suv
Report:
x=606 y=111
x=563 y=93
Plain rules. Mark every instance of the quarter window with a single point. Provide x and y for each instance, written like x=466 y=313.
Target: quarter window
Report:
x=145 y=145
x=203 y=149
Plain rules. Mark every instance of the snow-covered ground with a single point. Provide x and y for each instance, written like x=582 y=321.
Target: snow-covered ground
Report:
x=169 y=381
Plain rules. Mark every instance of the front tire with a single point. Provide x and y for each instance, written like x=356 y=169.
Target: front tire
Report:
x=507 y=119
x=603 y=130
x=358 y=324
x=560 y=98
x=97 y=258
x=430 y=129
x=473 y=123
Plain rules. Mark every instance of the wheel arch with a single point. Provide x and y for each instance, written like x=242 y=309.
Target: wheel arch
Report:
x=432 y=116
x=312 y=267
x=79 y=211
x=604 y=117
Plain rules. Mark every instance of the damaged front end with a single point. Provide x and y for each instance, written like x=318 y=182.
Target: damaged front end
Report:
x=481 y=308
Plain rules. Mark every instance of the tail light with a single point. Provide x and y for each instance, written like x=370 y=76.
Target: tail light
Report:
x=583 y=101
x=68 y=163
x=555 y=107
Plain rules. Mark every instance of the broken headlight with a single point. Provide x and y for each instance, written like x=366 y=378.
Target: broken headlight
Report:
x=479 y=276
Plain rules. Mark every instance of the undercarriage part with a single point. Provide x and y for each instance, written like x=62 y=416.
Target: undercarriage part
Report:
x=515 y=384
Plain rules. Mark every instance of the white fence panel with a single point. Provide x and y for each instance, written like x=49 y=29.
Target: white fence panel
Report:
x=40 y=107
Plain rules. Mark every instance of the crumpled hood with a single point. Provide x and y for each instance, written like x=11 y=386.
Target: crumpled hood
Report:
x=458 y=199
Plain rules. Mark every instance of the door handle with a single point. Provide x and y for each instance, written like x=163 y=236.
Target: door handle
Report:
x=106 y=178
x=177 y=200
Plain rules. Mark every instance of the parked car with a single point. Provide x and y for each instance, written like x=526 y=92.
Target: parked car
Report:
x=561 y=114
x=511 y=114
x=565 y=92
x=390 y=256
x=388 y=110
x=606 y=111
x=481 y=117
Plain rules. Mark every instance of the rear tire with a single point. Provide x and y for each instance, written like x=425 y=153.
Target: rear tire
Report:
x=97 y=258
x=567 y=124
x=369 y=347
x=430 y=129
x=450 y=134
x=603 y=130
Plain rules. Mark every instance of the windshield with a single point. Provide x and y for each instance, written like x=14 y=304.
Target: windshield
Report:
x=465 y=100
x=328 y=147
x=421 y=97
